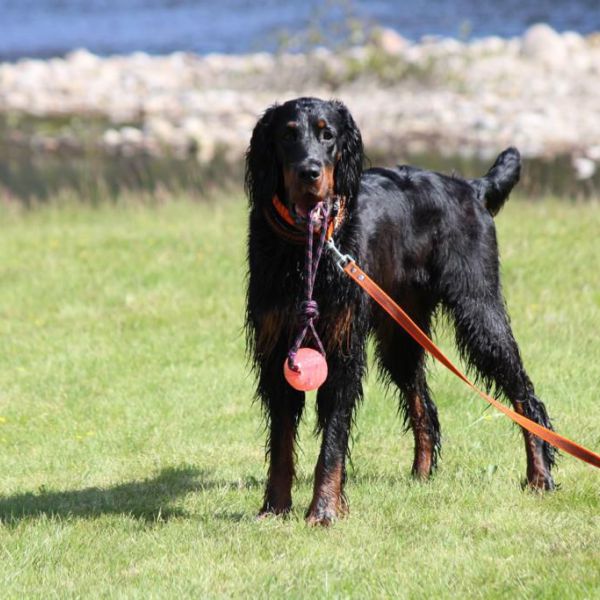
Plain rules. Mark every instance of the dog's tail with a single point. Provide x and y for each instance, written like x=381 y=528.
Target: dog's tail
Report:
x=495 y=186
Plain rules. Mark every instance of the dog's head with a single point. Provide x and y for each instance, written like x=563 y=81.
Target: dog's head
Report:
x=304 y=151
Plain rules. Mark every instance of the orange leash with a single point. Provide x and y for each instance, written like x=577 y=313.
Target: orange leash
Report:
x=347 y=264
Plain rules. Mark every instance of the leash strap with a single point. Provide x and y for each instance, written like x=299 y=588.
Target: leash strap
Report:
x=347 y=264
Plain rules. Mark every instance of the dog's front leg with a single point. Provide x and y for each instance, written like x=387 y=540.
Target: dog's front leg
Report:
x=284 y=408
x=336 y=402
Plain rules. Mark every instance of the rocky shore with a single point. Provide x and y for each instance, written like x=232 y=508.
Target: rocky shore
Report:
x=540 y=92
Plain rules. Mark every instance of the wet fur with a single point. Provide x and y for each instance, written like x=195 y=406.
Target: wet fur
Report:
x=429 y=240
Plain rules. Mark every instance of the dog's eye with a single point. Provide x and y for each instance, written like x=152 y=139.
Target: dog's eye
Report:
x=327 y=135
x=290 y=135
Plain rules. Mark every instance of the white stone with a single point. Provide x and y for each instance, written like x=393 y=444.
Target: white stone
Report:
x=194 y=128
x=541 y=43
x=593 y=152
x=161 y=129
x=390 y=41
x=492 y=44
x=584 y=167
x=132 y=135
x=574 y=41
x=83 y=59
x=111 y=137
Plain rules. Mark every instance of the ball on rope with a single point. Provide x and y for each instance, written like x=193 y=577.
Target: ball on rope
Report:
x=311 y=370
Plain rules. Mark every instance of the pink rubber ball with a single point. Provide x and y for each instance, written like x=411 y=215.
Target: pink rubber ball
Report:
x=312 y=370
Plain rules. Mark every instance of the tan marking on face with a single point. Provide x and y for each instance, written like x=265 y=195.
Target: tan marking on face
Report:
x=327 y=185
x=321 y=124
x=290 y=180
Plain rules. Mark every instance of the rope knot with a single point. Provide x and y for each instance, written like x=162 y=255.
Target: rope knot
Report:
x=309 y=311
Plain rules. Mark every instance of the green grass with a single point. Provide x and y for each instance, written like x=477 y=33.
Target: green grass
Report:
x=131 y=455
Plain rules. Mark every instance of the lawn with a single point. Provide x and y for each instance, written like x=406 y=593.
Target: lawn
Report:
x=132 y=458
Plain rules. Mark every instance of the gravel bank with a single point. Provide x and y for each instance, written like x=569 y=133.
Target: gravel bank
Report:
x=539 y=92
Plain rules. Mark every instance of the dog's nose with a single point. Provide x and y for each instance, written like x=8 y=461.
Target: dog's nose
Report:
x=310 y=173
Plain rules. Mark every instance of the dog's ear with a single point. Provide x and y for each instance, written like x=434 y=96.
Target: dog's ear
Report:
x=262 y=173
x=349 y=166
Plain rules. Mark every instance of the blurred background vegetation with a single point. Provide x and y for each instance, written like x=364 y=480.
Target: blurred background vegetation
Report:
x=106 y=103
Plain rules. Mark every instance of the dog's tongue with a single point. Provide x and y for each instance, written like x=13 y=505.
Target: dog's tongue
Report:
x=303 y=209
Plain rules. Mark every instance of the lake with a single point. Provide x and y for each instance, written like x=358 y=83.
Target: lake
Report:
x=46 y=28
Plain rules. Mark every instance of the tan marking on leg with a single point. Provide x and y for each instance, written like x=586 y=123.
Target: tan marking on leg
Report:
x=337 y=331
x=328 y=503
x=270 y=330
x=278 y=493
x=537 y=472
x=423 y=459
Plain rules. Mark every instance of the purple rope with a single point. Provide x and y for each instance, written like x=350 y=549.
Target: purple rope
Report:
x=309 y=309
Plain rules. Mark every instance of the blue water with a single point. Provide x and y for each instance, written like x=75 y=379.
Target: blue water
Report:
x=44 y=28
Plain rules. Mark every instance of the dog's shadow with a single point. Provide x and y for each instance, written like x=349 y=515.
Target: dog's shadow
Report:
x=148 y=500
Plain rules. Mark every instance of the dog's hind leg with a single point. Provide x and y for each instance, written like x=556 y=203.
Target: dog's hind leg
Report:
x=403 y=361
x=485 y=338
x=284 y=407
x=336 y=401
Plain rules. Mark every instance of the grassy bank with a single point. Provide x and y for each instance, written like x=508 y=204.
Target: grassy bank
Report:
x=132 y=457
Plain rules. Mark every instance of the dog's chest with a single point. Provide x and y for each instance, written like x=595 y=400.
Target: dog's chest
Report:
x=336 y=298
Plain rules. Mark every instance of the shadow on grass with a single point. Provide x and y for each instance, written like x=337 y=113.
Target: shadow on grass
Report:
x=147 y=500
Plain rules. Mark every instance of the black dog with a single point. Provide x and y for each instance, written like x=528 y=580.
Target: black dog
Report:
x=428 y=239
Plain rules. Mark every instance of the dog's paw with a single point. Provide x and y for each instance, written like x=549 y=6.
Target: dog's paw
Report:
x=323 y=518
x=421 y=474
x=326 y=513
x=269 y=510
x=540 y=482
